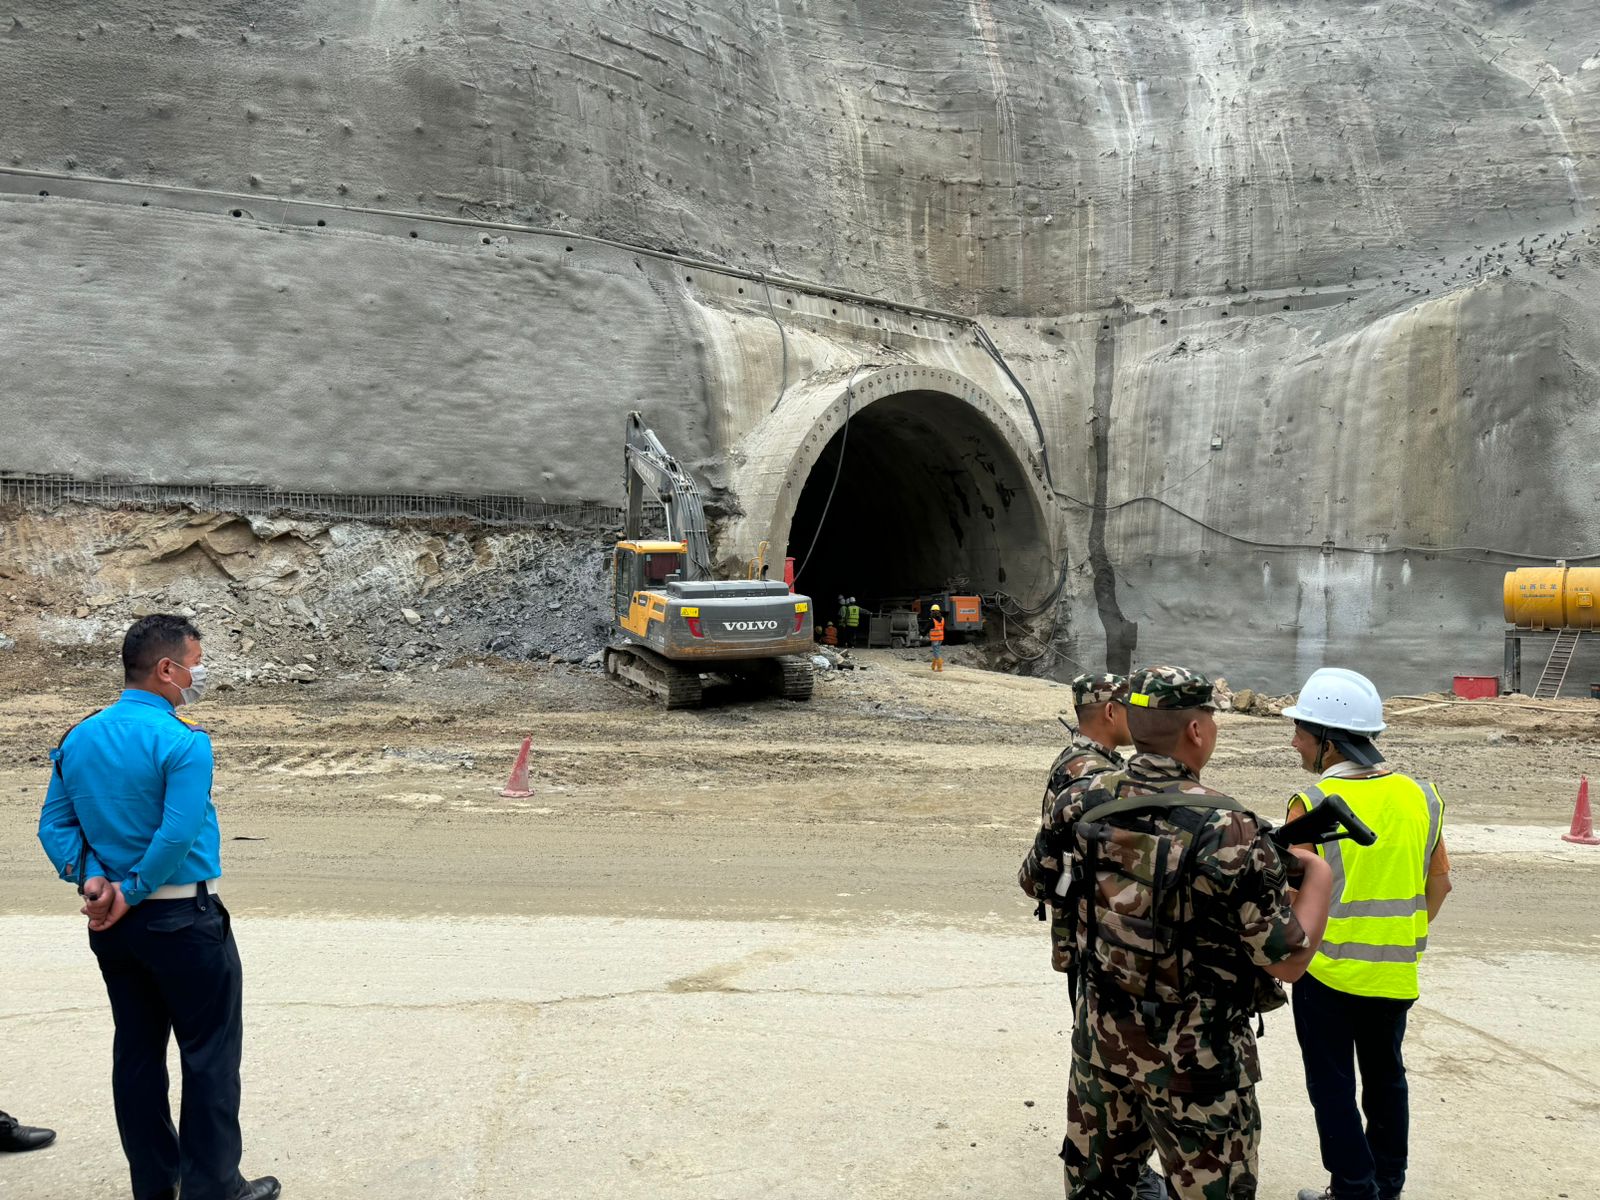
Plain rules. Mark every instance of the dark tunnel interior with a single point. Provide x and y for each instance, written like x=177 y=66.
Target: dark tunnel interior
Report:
x=916 y=495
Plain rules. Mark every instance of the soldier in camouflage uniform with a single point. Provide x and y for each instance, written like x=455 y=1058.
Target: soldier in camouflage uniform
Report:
x=1102 y=731
x=1184 y=925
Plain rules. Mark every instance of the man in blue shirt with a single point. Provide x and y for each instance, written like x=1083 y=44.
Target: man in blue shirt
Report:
x=128 y=818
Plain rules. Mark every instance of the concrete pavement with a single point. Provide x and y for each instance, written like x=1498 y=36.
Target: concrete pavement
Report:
x=559 y=1056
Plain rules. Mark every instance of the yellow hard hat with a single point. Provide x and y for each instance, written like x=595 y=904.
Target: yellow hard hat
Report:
x=935 y=608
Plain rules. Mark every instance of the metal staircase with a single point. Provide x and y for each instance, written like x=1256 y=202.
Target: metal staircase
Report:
x=1555 y=668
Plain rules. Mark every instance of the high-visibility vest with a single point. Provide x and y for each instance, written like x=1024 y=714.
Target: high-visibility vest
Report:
x=1378 y=921
x=852 y=615
x=830 y=636
x=936 y=634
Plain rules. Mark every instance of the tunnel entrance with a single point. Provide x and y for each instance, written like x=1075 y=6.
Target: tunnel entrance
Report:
x=916 y=495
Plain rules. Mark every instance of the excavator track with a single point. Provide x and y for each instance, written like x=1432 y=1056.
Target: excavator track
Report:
x=797 y=678
x=675 y=686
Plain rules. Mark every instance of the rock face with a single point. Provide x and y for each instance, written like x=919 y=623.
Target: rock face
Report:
x=301 y=600
x=1301 y=293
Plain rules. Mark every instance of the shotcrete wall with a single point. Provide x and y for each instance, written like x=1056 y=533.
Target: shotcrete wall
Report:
x=1293 y=286
x=165 y=346
x=1344 y=482
x=1000 y=156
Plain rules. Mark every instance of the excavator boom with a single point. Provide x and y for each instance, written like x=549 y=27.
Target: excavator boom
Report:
x=650 y=466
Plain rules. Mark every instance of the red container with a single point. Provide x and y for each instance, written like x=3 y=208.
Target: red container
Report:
x=1477 y=687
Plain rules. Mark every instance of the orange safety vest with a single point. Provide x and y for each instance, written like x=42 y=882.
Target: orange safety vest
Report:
x=937 y=632
x=830 y=636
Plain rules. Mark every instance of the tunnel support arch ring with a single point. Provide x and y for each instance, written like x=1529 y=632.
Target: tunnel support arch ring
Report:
x=772 y=465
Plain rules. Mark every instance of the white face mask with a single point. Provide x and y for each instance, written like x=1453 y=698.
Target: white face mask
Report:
x=196 y=690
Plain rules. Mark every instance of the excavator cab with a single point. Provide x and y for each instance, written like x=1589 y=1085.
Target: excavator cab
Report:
x=640 y=567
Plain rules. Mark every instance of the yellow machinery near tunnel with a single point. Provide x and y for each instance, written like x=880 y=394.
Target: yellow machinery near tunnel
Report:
x=1558 y=600
x=675 y=625
x=1559 y=597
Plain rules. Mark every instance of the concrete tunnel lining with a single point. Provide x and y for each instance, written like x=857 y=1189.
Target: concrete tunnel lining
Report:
x=938 y=482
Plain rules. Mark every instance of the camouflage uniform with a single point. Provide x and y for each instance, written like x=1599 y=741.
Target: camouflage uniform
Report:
x=1082 y=759
x=1163 y=1051
x=1086 y=689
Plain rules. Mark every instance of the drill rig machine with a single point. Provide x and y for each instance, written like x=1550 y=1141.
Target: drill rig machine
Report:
x=673 y=624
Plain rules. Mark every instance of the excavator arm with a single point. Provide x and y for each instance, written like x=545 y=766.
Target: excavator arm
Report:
x=649 y=466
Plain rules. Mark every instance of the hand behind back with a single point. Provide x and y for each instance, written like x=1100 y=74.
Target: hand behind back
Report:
x=104 y=904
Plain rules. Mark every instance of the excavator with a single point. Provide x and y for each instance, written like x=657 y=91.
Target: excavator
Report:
x=675 y=626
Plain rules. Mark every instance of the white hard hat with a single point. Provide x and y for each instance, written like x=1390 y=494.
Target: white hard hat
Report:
x=1339 y=699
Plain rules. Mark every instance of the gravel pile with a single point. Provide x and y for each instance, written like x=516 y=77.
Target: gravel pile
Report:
x=295 y=601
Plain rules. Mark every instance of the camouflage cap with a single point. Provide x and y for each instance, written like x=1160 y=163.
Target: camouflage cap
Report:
x=1168 y=687
x=1097 y=689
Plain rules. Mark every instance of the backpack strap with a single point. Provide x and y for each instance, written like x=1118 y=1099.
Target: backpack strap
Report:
x=1183 y=937
x=1124 y=804
x=1158 y=878
x=1091 y=867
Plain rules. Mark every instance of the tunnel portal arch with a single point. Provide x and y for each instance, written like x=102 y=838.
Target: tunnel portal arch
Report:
x=932 y=482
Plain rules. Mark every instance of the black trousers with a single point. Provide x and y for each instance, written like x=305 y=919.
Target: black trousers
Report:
x=171 y=966
x=1338 y=1032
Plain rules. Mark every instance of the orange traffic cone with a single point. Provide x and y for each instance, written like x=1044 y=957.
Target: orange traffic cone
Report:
x=517 y=786
x=1582 y=831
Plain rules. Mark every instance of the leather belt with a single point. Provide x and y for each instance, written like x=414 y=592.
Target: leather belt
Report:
x=183 y=891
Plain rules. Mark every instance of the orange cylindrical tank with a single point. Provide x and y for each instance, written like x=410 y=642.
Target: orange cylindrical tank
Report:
x=1553 y=597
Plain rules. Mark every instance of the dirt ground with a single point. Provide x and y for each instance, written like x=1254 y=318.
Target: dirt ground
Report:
x=762 y=949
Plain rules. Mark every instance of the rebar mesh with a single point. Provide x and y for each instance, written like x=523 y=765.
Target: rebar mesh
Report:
x=50 y=491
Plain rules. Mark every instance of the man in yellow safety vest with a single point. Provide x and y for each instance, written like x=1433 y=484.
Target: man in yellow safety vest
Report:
x=1350 y=1007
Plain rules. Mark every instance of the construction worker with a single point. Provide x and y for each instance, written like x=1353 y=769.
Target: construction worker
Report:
x=128 y=817
x=16 y=1137
x=852 y=622
x=1184 y=925
x=1351 y=1006
x=830 y=635
x=936 y=636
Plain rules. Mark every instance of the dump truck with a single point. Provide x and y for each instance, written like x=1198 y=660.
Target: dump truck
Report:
x=675 y=627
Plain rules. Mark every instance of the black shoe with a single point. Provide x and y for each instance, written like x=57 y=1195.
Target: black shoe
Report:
x=1151 y=1185
x=16 y=1137
x=265 y=1188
